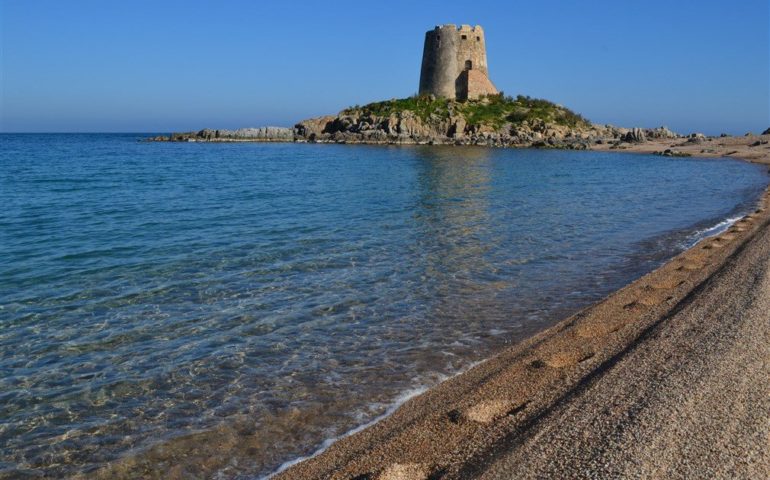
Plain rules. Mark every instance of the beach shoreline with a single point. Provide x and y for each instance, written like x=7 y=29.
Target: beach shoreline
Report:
x=450 y=429
x=463 y=426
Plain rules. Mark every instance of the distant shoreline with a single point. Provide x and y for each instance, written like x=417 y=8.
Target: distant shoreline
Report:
x=748 y=147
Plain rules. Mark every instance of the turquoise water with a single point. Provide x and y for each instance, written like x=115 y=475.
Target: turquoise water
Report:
x=290 y=293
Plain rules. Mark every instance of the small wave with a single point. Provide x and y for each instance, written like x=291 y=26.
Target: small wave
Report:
x=711 y=231
x=400 y=400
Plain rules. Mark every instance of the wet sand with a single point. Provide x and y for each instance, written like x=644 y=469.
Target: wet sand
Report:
x=665 y=378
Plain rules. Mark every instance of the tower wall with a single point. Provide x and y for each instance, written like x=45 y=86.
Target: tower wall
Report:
x=471 y=46
x=448 y=52
x=439 y=62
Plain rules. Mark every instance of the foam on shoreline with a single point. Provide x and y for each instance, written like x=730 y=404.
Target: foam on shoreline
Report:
x=400 y=400
x=395 y=405
x=712 y=231
x=692 y=240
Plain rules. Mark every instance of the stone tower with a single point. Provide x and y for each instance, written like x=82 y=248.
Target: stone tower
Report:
x=454 y=63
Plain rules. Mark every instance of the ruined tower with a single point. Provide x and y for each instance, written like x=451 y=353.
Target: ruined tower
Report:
x=454 y=63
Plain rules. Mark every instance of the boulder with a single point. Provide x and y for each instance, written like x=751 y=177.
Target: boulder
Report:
x=312 y=128
x=635 y=135
x=261 y=133
x=660 y=132
x=409 y=124
x=457 y=127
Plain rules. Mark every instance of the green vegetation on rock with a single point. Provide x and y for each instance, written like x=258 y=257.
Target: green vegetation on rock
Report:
x=423 y=106
x=493 y=110
x=499 y=109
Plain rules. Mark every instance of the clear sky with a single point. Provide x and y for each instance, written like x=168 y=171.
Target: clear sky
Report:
x=158 y=66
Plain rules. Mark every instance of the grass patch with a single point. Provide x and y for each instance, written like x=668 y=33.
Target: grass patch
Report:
x=423 y=106
x=497 y=110
x=493 y=110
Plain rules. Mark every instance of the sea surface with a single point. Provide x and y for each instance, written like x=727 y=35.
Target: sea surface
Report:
x=227 y=308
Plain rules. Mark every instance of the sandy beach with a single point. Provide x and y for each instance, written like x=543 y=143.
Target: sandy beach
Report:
x=665 y=378
x=384 y=241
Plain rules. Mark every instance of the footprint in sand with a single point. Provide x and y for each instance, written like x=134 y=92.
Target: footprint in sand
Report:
x=405 y=471
x=690 y=266
x=568 y=357
x=634 y=307
x=654 y=297
x=668 y=283
x=488 y=411
x=600 y=329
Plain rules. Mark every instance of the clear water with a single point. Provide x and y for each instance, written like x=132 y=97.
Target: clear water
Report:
x=229 y=307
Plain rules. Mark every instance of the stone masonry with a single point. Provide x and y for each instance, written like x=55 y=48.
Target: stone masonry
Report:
x=454 y=63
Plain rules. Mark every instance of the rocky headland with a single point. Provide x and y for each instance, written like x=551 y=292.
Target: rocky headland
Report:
x=493 y=121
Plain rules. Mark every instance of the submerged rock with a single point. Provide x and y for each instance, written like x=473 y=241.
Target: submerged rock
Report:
x=672 y=153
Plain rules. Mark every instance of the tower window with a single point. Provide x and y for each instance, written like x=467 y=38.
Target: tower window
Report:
x=478 y=39
x=468 y=65
x=465 y=37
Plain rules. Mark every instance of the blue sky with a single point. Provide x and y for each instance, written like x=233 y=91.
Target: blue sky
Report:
x=88 y=65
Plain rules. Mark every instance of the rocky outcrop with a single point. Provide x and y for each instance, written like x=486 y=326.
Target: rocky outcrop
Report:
x=672 y=153
x=262 y=134
x=403 y=127
x=635 y=135
x=766 y=132
x=490 y=121
x=660 y=132
x=406 y=127
x=496 y=121
x=310 y=129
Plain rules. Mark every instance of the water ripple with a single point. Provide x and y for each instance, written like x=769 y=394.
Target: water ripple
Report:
x=226 y=308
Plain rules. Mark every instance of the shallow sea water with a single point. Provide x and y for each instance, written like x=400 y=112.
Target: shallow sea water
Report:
x=229 y=307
